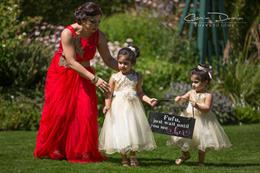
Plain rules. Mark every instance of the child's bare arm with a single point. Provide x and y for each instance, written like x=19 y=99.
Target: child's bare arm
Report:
x=109 y=95
x=184 y=97
x=151 y=101
x=206 y=106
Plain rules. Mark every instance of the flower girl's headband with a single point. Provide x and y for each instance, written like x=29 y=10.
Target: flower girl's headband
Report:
x=207 y=70
x=132 y=49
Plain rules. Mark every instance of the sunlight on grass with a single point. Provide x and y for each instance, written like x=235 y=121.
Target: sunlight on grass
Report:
x=16 y=155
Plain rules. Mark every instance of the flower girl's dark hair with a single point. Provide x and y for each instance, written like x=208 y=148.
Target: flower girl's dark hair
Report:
x=203 y=71
x=132 y=52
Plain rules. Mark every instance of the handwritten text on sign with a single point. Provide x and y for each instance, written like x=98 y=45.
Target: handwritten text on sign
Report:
x=171 y=124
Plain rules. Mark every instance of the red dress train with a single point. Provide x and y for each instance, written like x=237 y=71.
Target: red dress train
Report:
x=68 y=126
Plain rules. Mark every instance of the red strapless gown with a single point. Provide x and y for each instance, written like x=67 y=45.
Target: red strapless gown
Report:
x=68 y=125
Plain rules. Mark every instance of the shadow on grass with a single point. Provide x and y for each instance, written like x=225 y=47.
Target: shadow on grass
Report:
x=146 y=162
x=229 y=165
x=151 y=162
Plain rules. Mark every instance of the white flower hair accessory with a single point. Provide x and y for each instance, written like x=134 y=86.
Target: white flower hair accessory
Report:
x=207 y=70
x=132 y=49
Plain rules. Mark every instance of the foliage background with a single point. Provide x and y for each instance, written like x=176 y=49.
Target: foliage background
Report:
x=165 y=60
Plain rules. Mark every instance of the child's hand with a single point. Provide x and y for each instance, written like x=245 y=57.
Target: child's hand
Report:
x=193 y=103
x=177 y=99
x=105 y=109
x=153 y=102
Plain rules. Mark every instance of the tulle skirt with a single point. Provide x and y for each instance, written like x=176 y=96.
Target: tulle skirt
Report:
x=126 y=127
x=208 y=134
x=68 y=126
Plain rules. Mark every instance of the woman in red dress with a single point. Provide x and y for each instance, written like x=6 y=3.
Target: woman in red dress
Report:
x=68 y=125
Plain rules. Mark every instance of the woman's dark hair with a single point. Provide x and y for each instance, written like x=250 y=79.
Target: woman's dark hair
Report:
x=132 y=52
x=203 y=71
x=86 y=10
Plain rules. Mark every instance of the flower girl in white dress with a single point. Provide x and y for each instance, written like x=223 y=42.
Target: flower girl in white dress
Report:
x=126 y=128
x=208 y=133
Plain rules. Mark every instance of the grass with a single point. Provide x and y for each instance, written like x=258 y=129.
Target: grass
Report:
x=16 y=156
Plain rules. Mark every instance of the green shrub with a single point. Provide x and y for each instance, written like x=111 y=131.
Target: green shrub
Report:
x=241 y=83
x=162 y=50
x=247 y=115
x=9 y=11
x=249 y=12
x=19 y=112
x=61 y=12
x=156 y=74
x=21 y=64
x=142 y=29
x=12 y=30
x=24 y=66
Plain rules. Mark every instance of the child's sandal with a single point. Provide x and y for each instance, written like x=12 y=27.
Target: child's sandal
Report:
x=133 y=161
x=125 y=163
x=182 y=159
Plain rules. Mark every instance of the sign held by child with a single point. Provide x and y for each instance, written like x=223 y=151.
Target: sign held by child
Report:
x=171 y=124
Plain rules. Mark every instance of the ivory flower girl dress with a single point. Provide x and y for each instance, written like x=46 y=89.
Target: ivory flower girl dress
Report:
x=207 y=133
x=125 y=126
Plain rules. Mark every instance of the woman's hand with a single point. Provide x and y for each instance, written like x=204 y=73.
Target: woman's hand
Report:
x=105 y=109
x=102 y=85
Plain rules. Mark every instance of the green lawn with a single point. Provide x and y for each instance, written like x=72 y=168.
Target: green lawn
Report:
x=16 y=156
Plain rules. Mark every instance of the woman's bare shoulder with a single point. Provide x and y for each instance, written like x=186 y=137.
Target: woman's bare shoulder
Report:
x=66 y=34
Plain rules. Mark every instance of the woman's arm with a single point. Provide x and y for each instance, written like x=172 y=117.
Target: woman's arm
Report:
x=109 y=95
x=151 y=101
x=206 y=106
x=70 y=54
x=105 y=53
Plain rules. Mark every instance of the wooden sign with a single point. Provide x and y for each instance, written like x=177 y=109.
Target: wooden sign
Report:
x=171 y=124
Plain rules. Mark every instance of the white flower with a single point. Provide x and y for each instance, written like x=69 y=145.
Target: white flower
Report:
x=147 y=72
x=43 y=27
x=36 y=33
x=129 y=40
x=116 y=43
